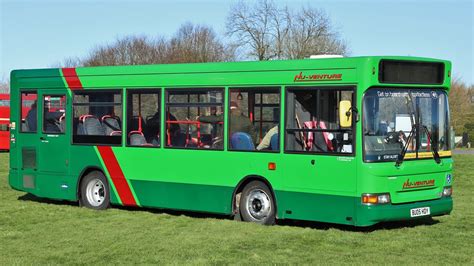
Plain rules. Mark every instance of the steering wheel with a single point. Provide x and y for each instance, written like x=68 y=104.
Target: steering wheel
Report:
x=392 y=138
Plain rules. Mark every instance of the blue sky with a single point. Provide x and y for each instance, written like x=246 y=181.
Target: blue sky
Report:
x=37 y=34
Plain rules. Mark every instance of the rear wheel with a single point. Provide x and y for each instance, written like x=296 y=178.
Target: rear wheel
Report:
x=257 y=204
x=95 y=192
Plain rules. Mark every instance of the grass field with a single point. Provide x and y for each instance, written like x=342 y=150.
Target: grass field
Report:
x=35 y=231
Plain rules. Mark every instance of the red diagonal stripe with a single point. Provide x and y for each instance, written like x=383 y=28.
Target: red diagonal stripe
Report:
x=72 y=80
x=117 y=176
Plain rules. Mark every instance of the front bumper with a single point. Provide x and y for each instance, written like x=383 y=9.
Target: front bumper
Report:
x=371 y=214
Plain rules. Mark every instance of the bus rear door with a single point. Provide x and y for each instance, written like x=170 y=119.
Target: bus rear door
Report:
x=54 y=142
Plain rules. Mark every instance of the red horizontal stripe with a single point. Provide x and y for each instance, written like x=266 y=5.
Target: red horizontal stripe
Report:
x=117 y=176
x=72 y=80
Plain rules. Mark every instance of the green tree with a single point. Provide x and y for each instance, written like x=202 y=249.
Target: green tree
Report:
x=462 y=108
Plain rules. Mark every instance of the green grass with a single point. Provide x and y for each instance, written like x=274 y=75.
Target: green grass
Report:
x=35 y=231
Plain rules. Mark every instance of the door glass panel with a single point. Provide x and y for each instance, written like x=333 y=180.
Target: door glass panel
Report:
x=29 y=115
x=54 y=114
x=312 y=121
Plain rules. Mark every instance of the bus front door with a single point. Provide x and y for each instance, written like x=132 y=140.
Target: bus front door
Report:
x=325 y=185
x=53 y=155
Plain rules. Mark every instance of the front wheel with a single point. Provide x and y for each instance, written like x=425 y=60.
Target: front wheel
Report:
x=257 y=204
x=95 y=192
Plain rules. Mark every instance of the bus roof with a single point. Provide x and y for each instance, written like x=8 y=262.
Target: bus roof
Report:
x=223 y=66
x=223 y=70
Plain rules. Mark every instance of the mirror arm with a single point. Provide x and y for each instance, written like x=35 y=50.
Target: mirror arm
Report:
x=353 y=110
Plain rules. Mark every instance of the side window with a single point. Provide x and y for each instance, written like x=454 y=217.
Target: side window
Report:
x=254 y=119
x=54 y=114
x=195 y=118
x=4 y=103
x=312 y=121
x=29 y=114
x=4 y=114
x=97 y=117
x=143 y=118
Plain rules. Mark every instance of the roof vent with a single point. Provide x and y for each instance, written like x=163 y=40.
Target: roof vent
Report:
x=321 y=56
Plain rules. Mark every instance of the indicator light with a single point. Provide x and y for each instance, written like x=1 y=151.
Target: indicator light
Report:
x=382 y=198
x=272 y=166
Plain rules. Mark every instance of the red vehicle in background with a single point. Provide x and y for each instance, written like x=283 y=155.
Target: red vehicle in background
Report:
x=28 y=101
x=4 y=122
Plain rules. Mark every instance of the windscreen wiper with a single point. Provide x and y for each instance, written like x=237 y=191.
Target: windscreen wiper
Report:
x=401 y=156
x=413 y=133
x=415 y=128
x=434 y=148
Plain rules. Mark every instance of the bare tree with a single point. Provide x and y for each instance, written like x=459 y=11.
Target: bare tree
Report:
x=310 y=32
x=191 y=43
x=253 y=27
x=4 y=86
x=68 y=62
x=130 y=50
x=269 y=32
x=197 y=43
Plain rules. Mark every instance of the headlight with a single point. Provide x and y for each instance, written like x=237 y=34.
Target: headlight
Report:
x=382 y=198
x=447 y=191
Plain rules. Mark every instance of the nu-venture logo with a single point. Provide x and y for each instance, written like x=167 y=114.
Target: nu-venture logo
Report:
x=417 y=184
x=316 y=77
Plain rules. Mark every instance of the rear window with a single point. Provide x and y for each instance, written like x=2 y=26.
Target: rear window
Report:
x=5 y=103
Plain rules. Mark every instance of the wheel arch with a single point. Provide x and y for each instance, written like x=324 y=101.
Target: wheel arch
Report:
x=246 y=180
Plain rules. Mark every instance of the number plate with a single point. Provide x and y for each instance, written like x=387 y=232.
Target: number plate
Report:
x=420 y=212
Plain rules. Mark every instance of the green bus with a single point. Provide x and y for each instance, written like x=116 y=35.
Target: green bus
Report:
x=354 y=141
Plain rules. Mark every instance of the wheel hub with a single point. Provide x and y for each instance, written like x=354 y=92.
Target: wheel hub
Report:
x=259 y=204
x=95 y=192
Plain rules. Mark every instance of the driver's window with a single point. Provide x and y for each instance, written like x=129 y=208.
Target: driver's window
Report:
x=54 y=114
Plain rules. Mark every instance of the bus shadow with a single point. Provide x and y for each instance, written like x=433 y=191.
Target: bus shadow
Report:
x=31 y=197
x=190 y=214
x=294 y=223
x=350 y=228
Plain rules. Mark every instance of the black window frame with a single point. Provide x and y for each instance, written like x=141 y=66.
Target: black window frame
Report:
x=255 y=89
x=352 y=129
x=97 y=139
x=191 y=90
x=129 y=110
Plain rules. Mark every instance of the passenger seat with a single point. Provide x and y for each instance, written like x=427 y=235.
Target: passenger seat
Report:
x=111 y=125
x=91 y=125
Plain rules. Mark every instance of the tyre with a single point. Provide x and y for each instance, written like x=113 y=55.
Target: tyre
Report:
x=95 y=191
x=257 y=204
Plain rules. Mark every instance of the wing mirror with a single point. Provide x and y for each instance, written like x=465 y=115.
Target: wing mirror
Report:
x=345 y=113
